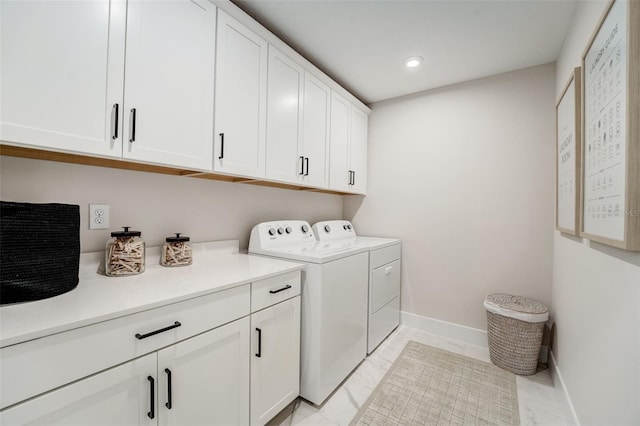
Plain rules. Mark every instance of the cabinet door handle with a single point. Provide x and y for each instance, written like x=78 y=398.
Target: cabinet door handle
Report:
x=301 y=165
x=168 y=403
x=306 y=160
x=153 y=333
x=259 y=354
x=350 y=177
x=152 y=391
x=132 y=126
x=114 y=119
x=286 y=287
x=388 y=270
x=221 y=156
x=353 y=179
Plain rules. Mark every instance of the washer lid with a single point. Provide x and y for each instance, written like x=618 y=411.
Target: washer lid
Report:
x=314 y=252
x=518 y=307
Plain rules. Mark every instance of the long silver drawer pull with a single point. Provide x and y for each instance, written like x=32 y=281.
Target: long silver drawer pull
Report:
x=286 y=287
x=153 y=333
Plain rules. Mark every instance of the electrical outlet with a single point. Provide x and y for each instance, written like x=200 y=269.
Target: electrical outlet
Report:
x=98 y=216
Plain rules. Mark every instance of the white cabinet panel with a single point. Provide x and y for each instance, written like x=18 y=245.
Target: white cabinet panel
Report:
x=339 y=178
x=285 y=161
x=119 y=396
x=209 y=377
x=348 y=147
x=62 y=74
x=275 y=359
x=169 y=82
x=315 y=134
x=240 y=99
x=358 y=151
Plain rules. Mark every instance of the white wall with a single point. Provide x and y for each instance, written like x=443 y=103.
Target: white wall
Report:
x=465 y=176
x=596 y=296
x=159 y=205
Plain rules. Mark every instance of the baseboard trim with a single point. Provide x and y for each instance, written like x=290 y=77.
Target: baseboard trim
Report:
x=463 y=333
x=556 y=377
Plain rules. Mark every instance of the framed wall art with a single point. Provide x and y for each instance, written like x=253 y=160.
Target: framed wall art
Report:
x=568 y=156
x=611 y=128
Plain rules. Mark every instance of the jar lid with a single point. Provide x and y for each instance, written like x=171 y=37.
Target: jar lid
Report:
x=177 y=239
x=126 y=233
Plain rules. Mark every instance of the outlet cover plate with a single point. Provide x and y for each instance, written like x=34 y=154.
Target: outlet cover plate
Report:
x=98 y=216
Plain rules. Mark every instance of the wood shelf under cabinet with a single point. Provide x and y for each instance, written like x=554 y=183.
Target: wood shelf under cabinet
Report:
x=63 y=157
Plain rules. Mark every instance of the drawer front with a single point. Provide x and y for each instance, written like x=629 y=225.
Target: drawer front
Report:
x=273 y=290
x=385 y=285
x=39 y=365
x=384 y=255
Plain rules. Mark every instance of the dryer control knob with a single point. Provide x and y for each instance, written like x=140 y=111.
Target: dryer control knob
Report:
x=272 y=231
x=305 y=228
x=280 y=231
x=287 y=230
x=345 y=227
x=327 y=228
x=349 y=227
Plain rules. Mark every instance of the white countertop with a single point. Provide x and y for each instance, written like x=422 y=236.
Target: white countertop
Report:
x=216 y=266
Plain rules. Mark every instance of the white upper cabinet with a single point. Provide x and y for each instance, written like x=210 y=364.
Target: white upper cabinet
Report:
x=62 y=66
x=297 y=124
x=358 y=150
x=348 y=147
x=315 y=133
x=284 y=118
x=240 y=100
x=169 y=83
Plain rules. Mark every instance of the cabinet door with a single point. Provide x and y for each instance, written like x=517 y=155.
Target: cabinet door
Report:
x=209 y=377
x=358 y=151
x=119 y=396
x=339 y=177
x=169 y=82
x=241 y=100
x=284 y=119
x=62 y=65
x=275 y=359
x=315 y=134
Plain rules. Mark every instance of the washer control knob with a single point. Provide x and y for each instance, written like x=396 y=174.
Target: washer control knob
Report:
x=272 y=231
x=327 y=228
x=305 y=228
x=281 y=230
x=349 y=226
x=345 y=227
x=287 y=230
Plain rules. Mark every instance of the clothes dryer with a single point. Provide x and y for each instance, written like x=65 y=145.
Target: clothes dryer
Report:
x=384 y=276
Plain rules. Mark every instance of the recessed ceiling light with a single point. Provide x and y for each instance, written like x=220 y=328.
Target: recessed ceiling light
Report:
x=413 y=61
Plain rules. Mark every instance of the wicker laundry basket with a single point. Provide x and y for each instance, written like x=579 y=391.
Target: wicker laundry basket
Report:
x=515 y=326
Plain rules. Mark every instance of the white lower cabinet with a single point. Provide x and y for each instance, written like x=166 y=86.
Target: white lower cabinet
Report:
x=118 y=396
x=205 y=380
x=227 y=358
x=275 y=359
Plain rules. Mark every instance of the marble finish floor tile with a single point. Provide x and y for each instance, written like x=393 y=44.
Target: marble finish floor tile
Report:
x=540 y=403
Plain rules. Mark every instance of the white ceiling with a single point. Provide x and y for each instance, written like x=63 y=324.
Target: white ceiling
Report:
x=361 y=44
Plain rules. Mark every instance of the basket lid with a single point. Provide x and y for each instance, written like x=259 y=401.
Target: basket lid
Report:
x=517 y=307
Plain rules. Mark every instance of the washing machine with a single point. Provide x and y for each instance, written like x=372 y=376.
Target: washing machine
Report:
x=333 y=325
x=384 y=276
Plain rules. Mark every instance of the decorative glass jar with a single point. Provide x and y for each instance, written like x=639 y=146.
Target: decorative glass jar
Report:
x=176 y=251
x=124 y=253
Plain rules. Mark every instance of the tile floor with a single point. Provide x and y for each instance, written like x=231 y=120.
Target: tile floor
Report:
x=540 y=402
